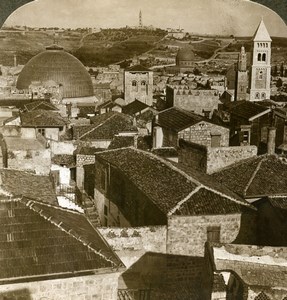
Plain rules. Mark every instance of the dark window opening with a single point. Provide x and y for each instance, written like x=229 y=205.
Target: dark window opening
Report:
x=213 y=234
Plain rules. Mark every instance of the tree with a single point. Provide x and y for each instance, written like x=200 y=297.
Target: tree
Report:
x=279 y=82
x=282 y=70
x=275 y=71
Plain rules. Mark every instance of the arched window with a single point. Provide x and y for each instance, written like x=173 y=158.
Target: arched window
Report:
x=257 y=44
x=260 y=44
x=262 y=296
x=263 y=96
x=260 y=76
x=134 y=85
x=259 y=57
x=257 y=96
x=264 y=57
x=144 y=86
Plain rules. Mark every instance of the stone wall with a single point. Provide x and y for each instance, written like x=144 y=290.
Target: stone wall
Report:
x=192 y=100
x=99 y=286
x=30 y=160
x=131 y=243
x=202 y=132
x=62 y=147
x=186 y=235
x=81 y=161
x=218 y=158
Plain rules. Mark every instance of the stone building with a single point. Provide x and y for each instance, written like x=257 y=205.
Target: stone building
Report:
x=173 y=124
x=138 y=84
x=251 y=76
x=249 y=123
x=57 y=66
x=241 y=86
x=71 y=260
x=132 y=189
x=103 y=129
x=260 y=76
x=201 y=102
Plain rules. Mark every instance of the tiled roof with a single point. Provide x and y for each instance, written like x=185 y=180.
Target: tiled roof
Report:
x=247 y=109
x=177 y=119
x=265 y=175
x=206 y=202
x=138 y=68
x=134 y=107
x=45 y=105
x=165 y=152
x=278 y=202
x=43 y=240
x=105 y=127
x=15 y=183
x=64 y=159
x=86 y=110
x=164 y=184
x=120 y=141
x=87 y=150
x=42 y=118
x=19 y=103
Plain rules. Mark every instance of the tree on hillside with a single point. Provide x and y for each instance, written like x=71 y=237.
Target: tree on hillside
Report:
x=279 y=83
x=281 y=70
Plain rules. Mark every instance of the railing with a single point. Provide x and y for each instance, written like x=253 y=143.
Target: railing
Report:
x=133 y=294
x=65 y=189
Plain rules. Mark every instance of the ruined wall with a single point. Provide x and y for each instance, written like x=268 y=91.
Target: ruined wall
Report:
x=99 y=286
x=30 y=160
x=131 y=243
x=218 y=158
x=187 y=235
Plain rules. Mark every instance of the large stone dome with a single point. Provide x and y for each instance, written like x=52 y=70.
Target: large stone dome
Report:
x=185 y=54
x=61 y=67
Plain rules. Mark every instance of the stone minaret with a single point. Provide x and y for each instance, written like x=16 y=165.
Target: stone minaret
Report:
x=140 y=19
x=241 y=84
x=261 y=65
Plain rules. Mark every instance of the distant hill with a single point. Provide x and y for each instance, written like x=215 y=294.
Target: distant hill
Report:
x=279 y=6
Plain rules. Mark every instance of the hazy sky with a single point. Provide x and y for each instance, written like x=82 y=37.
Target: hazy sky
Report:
x=203 y=16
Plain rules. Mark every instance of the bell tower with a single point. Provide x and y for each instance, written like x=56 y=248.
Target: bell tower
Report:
x=261 y=65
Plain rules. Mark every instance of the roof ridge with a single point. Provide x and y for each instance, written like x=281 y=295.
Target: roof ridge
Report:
x=245 y=203
x=253 y=175
x=94 y=128
x=178 y=205
x=168 y=164
x=70 y=232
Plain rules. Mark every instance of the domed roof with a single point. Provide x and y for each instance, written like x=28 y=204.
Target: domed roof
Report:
x=60 y=66
x=185 y=54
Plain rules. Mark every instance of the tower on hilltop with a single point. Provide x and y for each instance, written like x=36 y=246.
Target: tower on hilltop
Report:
x=261 y=64
x=140 y=19
x=241 y=76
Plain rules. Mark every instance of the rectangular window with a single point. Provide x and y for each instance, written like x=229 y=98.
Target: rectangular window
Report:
x=105 y=210
x=215 y=140
x=103 y=179
x=213 y=234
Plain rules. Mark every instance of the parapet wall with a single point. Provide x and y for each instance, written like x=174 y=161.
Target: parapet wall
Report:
x=132 y=243
x=219 y=158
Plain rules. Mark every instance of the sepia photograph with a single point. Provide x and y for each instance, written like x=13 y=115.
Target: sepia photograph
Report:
x=143 y=150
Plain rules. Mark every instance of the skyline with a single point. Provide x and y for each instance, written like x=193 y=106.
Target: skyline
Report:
x=227 y=16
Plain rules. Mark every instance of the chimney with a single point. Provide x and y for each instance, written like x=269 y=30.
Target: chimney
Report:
x=271 y=140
